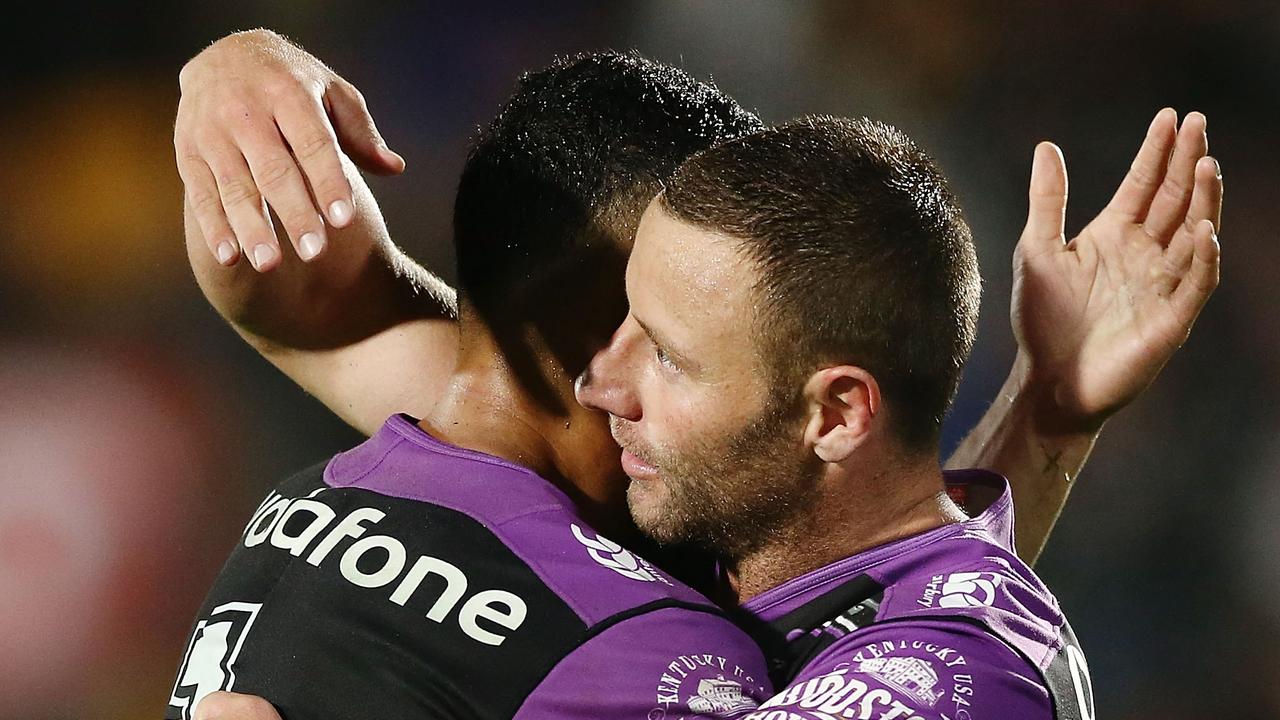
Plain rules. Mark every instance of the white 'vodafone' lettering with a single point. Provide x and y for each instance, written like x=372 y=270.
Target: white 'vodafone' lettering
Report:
x=501 y=610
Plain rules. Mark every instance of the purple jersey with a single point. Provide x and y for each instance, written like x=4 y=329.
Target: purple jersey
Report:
x=409 y=578
x=945 y=624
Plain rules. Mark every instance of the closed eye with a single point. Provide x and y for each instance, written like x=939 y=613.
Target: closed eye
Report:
x=664 y=358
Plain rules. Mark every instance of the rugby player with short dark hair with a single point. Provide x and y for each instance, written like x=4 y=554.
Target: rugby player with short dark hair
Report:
x=501 y=407
x=452 y=565
x=797 y=438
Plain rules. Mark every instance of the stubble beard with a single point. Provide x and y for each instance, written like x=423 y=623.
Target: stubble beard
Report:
x=728 y=494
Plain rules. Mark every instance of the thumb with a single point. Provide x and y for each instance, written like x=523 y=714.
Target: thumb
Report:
x=356 y=131
x=1046 y=212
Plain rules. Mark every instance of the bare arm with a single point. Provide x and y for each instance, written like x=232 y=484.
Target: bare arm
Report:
x=1097 y=317
x=1042 y=465
x=332 y=301
x=363 y=328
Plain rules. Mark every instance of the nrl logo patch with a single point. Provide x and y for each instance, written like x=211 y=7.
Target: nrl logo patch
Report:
x=966 y=589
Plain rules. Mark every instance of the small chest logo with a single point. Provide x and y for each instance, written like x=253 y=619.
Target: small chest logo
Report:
x=706 y=685
x=717 y=696
x=215 y=644
x=967 y=589
x=617 y=558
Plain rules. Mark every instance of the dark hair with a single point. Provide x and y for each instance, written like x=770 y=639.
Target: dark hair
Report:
x=864 y=257
x=562 y=175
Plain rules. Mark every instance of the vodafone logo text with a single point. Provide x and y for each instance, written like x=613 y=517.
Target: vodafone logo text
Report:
x=306 y=527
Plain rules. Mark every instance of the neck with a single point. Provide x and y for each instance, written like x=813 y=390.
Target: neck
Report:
x=851 y=514
x=517 y=404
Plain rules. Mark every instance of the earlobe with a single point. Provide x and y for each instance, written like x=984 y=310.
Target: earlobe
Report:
x=844 y=402
x=835 y=447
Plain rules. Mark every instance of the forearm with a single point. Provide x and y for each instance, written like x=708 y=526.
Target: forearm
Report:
x=363 y=328
x=1041 y=460
x=362 y=285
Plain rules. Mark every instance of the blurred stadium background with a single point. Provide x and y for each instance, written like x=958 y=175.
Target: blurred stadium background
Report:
x=137 y=433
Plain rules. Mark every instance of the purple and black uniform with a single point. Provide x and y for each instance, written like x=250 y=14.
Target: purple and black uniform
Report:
x=945 y=624
x=409 y=578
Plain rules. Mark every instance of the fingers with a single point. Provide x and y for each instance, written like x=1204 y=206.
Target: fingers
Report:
x=280 y=182
x=1047 y=196
x=1202 y=277
x=206 y=206
x=1169 y=207
x=1206 y=204
x=357 y=132
x=245 y=210
x=234 y=706
x=1206 y=200
x=307 y=130
x=1134 y=196
x=251 y=117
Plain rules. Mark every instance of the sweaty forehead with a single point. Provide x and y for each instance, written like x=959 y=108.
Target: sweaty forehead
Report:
x=690 y=280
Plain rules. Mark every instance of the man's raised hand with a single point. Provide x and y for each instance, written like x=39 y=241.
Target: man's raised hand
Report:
x=261 y=123
x=1098 y=316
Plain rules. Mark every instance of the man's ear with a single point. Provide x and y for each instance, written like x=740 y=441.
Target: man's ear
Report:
x=842 y=402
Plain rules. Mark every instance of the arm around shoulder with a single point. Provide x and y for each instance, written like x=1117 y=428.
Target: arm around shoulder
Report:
x=363 y=328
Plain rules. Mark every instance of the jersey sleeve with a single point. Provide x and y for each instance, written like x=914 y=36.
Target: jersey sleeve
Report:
x=913 y=670
x=672 y=662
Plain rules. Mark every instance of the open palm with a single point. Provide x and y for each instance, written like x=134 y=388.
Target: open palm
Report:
x=1097 y=317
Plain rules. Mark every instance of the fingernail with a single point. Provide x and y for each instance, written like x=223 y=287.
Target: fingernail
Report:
x=1217 y=169
x=310 y=246
x=392 y=154
x=226 y=251
x=262 y=255
x=339 y=212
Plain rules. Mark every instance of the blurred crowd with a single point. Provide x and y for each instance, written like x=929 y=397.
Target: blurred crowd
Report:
x=137 y=433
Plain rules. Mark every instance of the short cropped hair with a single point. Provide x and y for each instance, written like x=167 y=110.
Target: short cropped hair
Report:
x=569 y=164
x=863 y=254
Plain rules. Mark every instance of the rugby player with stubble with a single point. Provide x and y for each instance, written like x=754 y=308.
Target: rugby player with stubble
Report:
x=813 y=471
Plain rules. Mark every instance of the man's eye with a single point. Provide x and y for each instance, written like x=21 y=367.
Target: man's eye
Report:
x=664 y=359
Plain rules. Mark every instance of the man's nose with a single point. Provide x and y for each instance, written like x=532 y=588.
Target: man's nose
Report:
x=606 y=383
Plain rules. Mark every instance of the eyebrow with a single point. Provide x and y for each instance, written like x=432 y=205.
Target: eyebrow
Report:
x=660 y=340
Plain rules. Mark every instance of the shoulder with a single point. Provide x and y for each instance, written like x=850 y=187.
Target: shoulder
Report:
x=914 y=668
x=597 y=577
x=536 y=523
x=991 y=588
x=668 y=662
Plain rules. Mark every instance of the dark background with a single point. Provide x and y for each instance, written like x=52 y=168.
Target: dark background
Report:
x=137 y=433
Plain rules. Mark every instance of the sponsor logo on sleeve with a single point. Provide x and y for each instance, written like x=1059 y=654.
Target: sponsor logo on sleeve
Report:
x=208 y=664
x=617 y=558
x=705 y=685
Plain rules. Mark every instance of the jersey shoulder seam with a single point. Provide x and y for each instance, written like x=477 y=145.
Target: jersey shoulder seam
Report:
x=987 y=632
